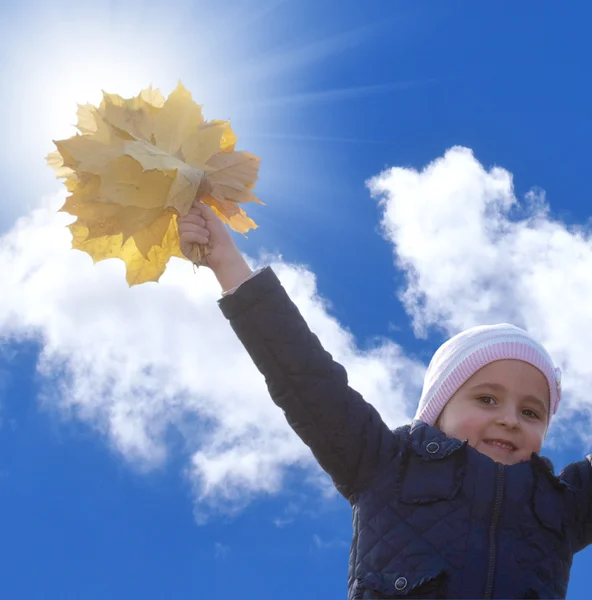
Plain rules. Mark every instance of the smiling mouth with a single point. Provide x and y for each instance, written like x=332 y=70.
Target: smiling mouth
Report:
x=507 y=446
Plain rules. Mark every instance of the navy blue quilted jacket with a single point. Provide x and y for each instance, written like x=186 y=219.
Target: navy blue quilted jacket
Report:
x=432 y=517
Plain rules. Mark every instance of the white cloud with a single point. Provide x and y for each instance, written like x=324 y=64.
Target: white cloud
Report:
x=321 y=544
x=278 y=522
x=474 y=254
x=220 y=550
x=138 y=363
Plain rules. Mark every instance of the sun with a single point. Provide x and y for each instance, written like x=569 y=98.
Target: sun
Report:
x=77 y=57
x=109 y=66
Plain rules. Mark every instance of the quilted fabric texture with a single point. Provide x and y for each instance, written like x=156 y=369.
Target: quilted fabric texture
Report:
x=432 y=517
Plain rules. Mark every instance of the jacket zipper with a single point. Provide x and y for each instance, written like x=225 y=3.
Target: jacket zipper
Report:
x=497 y=507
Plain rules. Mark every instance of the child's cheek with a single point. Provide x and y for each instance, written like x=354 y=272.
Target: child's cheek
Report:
x=471 y=428
x=535 y=440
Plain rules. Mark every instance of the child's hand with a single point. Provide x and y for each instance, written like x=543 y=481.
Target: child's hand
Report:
x=201 y=226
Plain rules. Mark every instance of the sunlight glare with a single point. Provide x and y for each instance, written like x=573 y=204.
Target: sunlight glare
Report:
x=72 y=61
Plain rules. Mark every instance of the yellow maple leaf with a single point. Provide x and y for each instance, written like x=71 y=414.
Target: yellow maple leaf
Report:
x=140 y=267
x=229 y=139
x=136 y=164
x=203 y=143
x=233 y=176
x=134 y=116
x=177 y=119
x=234 y=216
x=111 y=219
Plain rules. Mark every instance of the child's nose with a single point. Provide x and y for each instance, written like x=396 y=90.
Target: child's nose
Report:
x=509 y=418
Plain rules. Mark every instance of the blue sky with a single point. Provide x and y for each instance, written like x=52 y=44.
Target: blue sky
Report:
x=424 y=167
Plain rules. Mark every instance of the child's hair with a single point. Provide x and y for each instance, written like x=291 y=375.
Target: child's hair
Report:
x=464 y=354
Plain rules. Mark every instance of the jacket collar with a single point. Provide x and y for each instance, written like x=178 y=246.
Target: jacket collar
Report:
x=544 y=464
x=430 y=443
x=421 y=435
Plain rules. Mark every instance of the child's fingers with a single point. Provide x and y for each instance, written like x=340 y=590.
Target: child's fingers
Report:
x=194 y=237
x=193 y=229
x=188 y=249
x=199 y=208
x=192 y=218
x=207 y=213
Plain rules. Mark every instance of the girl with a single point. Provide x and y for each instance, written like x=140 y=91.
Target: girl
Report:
x=459 y=504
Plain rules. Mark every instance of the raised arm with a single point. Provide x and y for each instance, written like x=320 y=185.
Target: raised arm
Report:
x=345 y=433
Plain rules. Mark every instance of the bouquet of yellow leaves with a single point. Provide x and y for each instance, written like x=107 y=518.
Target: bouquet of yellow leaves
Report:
x=137 y=165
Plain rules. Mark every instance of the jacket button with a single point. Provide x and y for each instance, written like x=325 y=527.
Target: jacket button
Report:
x=433 y=447
x=400 y=583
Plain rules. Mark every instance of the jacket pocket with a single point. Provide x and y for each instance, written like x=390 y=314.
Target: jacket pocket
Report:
x=424 y=581
x=426 y=479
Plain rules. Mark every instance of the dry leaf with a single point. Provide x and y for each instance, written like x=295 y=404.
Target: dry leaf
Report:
x=140 y=267
x=202 y=144
x=139 y=162
x=177 y=119
x=235 y=217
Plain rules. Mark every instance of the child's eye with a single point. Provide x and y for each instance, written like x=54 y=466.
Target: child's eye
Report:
x=486 y=400
x=530 y=413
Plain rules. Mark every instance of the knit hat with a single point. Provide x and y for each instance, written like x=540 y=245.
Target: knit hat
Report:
x=464 y=354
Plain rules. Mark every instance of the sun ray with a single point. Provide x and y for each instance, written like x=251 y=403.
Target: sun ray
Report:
x=289 y=59
x=314 y=138
x=341 y=94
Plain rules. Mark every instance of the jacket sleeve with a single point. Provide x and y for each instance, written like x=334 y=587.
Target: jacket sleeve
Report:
x=347 y=436
x=578 y=477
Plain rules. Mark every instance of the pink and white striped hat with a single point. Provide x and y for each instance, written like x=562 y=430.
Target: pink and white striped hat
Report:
x=464 y=354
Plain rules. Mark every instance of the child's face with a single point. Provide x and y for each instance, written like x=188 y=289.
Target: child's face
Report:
x=507 y=401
